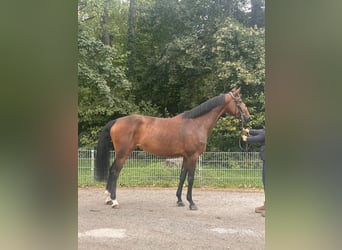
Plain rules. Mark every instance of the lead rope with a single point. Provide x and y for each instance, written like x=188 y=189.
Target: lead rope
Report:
x=240 y=139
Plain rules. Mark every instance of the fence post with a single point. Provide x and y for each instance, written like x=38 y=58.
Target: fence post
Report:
x=200 y=169
x=92 y=164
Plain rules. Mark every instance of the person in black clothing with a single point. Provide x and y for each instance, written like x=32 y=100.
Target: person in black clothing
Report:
x=257 y=136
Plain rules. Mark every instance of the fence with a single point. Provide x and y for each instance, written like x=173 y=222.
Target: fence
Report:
x=216 y=169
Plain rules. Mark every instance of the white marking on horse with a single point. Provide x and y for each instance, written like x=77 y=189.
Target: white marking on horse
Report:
x=109 y=201
x=115 y=203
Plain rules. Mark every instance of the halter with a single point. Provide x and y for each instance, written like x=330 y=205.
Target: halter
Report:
x=238 y=102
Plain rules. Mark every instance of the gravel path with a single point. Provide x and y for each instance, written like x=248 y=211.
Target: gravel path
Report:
x=150 y=219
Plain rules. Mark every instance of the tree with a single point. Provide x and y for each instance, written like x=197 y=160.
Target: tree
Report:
x=104 y=91
x=239 y=54
x=131 y=37
x=104 y=22
x=176 y=54
x=257 y=13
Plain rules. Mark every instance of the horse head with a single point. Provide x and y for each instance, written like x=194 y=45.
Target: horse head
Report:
x=236 y=106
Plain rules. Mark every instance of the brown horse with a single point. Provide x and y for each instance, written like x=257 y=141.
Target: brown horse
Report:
x=184 y=135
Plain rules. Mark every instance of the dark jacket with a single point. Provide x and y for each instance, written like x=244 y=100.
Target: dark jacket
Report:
x=258 y=136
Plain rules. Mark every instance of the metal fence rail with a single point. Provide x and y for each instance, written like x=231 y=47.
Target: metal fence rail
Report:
x=216 y=169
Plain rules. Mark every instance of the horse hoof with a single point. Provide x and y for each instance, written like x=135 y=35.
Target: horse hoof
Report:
x=180 y=203
x=193 y=207
x=115 y=204
x=109 y=202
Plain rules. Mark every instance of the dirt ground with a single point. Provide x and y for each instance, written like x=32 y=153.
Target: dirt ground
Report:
x=148 y=218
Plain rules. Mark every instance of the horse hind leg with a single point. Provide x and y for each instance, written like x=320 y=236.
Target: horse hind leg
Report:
x=113 y=177
x=110 y=183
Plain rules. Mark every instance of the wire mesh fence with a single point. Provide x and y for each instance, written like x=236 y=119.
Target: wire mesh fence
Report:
x=215 y=169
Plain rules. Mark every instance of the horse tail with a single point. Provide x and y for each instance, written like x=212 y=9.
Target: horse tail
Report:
x=104 y=145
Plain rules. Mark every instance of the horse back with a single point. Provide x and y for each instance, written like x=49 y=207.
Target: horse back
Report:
x=159 y=136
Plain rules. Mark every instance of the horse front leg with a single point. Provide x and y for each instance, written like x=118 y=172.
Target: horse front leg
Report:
x=182 y=177
x=191 y=178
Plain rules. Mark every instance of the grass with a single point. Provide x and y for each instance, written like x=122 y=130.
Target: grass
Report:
x=156 y=173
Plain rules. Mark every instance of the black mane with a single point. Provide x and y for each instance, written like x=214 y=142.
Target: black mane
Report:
x=204 y=107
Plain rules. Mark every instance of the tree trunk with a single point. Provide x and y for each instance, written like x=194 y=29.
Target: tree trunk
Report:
x=105 y=33
x=131 y=38
x=257 y=13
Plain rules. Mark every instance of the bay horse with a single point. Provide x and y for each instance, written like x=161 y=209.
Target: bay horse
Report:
x=184 y=135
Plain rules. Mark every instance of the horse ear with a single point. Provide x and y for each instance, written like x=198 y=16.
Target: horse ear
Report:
x=234 y=89
x=238 y=91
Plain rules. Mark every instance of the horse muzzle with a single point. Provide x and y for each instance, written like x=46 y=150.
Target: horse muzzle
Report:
x=245 y=119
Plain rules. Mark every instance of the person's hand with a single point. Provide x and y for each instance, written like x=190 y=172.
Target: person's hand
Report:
x=245 y=130
x=244 y=137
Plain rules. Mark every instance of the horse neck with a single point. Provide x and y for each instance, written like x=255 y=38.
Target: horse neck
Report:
x=209 y=119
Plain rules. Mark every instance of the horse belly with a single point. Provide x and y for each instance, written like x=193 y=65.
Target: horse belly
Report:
x=161 y=145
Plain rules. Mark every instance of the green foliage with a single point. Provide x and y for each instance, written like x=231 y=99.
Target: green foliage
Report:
x=90 y=14
x=104 y=91
x=240 y=58
x=185 y=52
x=225 y=136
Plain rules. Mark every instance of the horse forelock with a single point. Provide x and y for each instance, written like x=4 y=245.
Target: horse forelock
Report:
x=204 y=107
